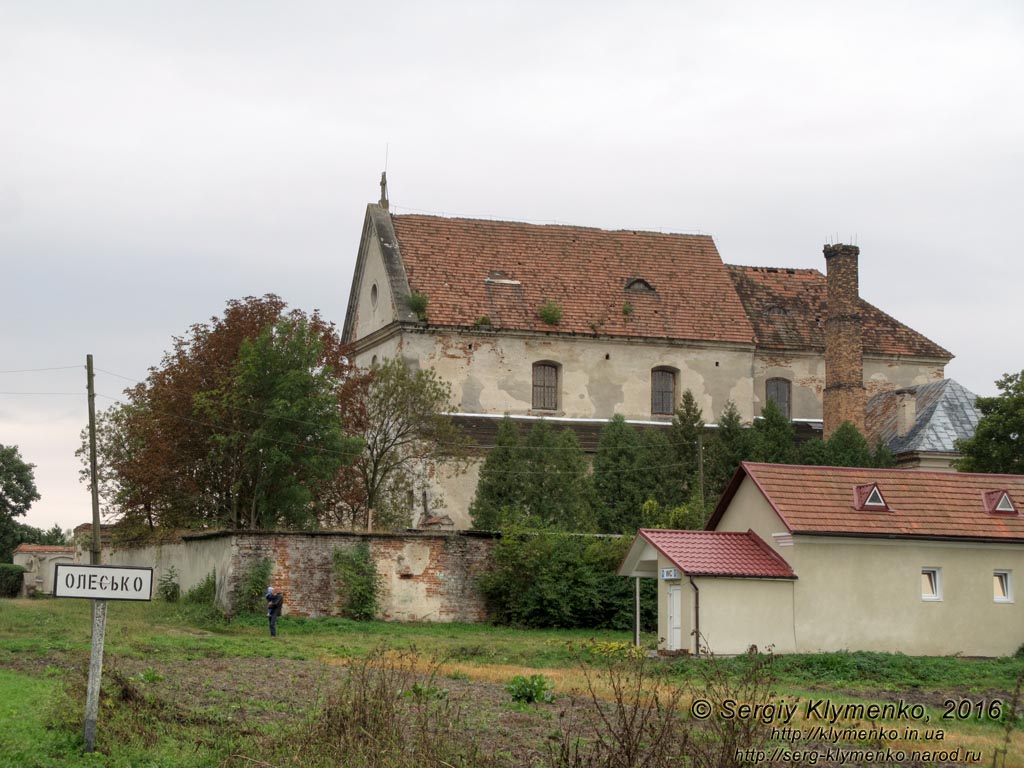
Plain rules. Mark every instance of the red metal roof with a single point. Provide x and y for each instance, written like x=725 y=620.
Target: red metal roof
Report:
x=920 y=504
x=719 y=553
x=471 y=268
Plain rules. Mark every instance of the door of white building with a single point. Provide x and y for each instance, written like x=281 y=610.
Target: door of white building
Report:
x=675 y=617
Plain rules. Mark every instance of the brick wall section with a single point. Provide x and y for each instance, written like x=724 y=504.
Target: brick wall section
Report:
x=423 y=576
x=844 y=398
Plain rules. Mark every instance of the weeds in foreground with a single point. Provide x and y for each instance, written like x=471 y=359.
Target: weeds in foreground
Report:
x=385 y=713
x=640 y=726
x=750 y=682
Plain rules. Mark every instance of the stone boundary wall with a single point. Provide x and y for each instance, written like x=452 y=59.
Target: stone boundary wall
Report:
x=423 y=576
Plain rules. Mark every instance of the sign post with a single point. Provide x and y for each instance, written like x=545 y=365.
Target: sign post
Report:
x=99 y=583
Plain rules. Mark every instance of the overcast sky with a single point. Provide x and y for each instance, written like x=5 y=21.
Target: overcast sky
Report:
x=160 y=159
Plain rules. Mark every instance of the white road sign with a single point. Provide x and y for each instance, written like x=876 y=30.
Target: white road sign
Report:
x=102 y=582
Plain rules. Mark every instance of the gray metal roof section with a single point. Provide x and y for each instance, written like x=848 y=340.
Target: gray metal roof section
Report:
x=945 y=412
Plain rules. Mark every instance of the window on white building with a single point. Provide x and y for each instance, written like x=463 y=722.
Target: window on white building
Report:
x=931 y=583
x=1002 y=588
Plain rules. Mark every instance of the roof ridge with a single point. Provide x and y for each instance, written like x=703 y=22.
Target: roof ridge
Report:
x=763 y=268
x=549 y=224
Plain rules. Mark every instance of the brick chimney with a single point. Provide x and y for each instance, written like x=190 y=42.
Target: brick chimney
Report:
x=845 y=396
x=906 y=410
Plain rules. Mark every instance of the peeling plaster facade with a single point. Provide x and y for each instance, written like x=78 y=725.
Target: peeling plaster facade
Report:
x=490 y=368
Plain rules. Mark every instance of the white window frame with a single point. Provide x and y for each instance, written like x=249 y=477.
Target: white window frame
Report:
x=936 y=581
x=1006 y=576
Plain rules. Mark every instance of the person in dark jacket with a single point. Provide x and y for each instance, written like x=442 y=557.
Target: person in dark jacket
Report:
x=274 y=602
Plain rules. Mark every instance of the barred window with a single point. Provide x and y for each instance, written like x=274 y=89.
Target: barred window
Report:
x=663 y=391
x=545 y=386
x=778 y=392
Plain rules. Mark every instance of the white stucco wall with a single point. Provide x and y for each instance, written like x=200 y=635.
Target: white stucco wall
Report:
x=733 y=613
x=865 y=593
x=193 y=562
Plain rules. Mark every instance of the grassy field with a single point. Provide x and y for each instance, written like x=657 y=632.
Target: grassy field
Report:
x=183 y=688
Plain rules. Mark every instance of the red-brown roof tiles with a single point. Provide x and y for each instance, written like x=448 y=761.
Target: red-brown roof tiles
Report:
x=44 y=548
x=505 y=271
x=719 y=553
x=920 y=504
x=788 y=308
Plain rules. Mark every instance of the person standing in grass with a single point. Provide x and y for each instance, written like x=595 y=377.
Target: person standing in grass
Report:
x=274 y=602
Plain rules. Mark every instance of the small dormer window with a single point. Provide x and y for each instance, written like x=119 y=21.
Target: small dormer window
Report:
x=639 y=285
x=999 y=503
x=869 y=498
x=775 y=310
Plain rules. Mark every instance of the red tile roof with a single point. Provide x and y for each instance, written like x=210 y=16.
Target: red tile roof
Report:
x=719 y=553
x=947 y=505
x=44 y=548
x=503 y=270
x=788 y=308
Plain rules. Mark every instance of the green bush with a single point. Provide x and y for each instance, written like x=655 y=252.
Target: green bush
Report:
x=418 y=304
x=546 y=579
x=11 y=579
x=358 y=584
x=205 y=592
x=550 y=312
x=167 y=586
x=530 y=690
x=250 y=594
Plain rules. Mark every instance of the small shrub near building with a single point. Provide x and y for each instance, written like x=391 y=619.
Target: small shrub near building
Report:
x=358 y=585
x=11 y=579
x=250 y=595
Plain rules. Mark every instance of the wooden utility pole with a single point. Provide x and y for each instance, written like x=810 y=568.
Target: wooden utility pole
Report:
x=99 y=607
x=94 y=557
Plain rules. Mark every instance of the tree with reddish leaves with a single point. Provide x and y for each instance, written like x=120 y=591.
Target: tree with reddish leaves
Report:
x=245 y=423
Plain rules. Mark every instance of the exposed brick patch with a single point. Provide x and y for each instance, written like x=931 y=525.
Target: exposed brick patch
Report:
x=424 y=576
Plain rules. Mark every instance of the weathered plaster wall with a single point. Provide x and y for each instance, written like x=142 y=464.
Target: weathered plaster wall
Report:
x=39 y=568
x=424 y=576
x=373 y=315
x=599 y=378
x=806 y=372
x=193 y=559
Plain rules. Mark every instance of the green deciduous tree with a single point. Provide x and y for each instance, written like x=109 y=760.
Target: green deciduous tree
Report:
x=557 y=579
x=237 y=427
x=998 y=442
x=288 y=442
x=407 y=439
x=17 y=493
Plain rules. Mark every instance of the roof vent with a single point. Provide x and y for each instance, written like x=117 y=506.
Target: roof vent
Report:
x=639 y=285
x=775 y=310
x=868 y=497
x=999 y=503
